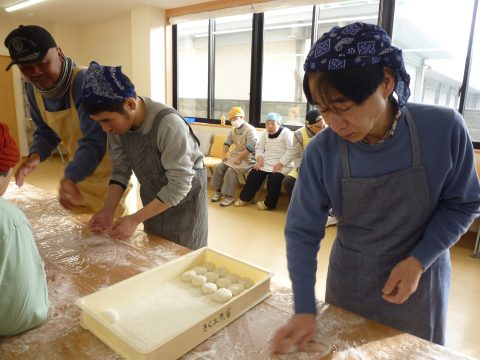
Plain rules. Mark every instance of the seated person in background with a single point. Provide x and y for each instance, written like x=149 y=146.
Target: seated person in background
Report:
x=154 y=141
x=242 y=159
x=271 y=156
x=23 y=285
x=314 y=123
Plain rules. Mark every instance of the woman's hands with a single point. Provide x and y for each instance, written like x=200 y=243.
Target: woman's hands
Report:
x=403 y=281
x=298 y=332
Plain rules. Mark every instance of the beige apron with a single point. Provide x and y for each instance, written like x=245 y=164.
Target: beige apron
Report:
x=66 y=124
x=306 y=139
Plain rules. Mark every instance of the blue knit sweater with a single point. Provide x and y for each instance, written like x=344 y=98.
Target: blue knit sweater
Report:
x=448 y=158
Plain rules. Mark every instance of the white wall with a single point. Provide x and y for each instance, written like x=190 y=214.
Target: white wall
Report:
x=148 y=51
x=136 y=41
x=108 y=43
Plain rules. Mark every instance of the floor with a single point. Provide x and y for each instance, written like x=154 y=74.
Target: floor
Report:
x=257 y=237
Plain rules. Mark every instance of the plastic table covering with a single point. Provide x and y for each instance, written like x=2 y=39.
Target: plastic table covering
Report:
x=78 y=264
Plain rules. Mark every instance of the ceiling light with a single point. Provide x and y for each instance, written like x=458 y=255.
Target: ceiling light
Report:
x=22 y=5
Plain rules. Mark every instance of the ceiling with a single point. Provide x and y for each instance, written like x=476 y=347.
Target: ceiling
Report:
x=84 y=12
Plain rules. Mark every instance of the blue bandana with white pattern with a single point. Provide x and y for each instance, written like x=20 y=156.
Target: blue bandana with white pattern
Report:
x=357 y=45
x=105 y=85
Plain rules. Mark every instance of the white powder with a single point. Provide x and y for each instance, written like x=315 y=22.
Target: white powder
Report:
x=166 y=311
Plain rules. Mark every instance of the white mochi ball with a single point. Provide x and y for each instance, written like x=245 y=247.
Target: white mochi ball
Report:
x=236 y=289
x=246 y=282
x=221 y=271
x=233 y=277
x=209 y=288
x=222 y=295
x=188 y=275
x=212 y=277
x=200 y=270
x=111 y=315
x=223 y=283
x=199 y=280
x=209 y=266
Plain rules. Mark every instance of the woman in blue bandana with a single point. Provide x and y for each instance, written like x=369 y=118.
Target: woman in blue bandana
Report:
x=400 y=178
x=158 y=145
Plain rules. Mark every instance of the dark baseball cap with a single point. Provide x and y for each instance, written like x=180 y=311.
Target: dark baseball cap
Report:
x=28 y=44
x=312 y=117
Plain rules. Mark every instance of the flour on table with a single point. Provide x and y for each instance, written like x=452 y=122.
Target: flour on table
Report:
x=95 y=240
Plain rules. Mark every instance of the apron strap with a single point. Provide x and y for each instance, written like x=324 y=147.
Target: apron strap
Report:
x=413 y=137
x=168 y=111
x=344 y=157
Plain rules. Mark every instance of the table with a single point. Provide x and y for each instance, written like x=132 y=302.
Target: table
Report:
x=75 y=269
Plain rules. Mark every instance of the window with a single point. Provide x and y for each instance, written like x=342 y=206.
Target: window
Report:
x=342 y=13
x=192 y=63
x=287 y=39
x=233 y=45
x=472 y=101
x=434 y=47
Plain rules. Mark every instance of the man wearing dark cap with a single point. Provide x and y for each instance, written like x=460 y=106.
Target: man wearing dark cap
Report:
x=314 y=123
x=23 y=285
x=54 y=94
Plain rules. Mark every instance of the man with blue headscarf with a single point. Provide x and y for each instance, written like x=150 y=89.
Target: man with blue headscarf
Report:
x=401 y=180
x=158 y=145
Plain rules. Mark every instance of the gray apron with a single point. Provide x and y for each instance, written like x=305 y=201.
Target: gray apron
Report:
x=186 y=223
x=383 y=219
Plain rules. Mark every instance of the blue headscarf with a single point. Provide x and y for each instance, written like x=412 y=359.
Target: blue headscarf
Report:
x=274 y=117
x=357 y=45
x=106 y=85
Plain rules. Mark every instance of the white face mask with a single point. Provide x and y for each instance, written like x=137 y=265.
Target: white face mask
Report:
x=236 y=123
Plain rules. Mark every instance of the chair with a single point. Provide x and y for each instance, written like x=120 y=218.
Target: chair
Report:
x=60 y=152
x=205 y=138
x=215 y=156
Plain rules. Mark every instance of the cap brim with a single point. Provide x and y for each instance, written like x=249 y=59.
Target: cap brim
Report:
x=10 y=65
x=28 y=60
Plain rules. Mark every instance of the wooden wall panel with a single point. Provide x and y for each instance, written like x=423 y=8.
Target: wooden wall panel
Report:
x=8 y=114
